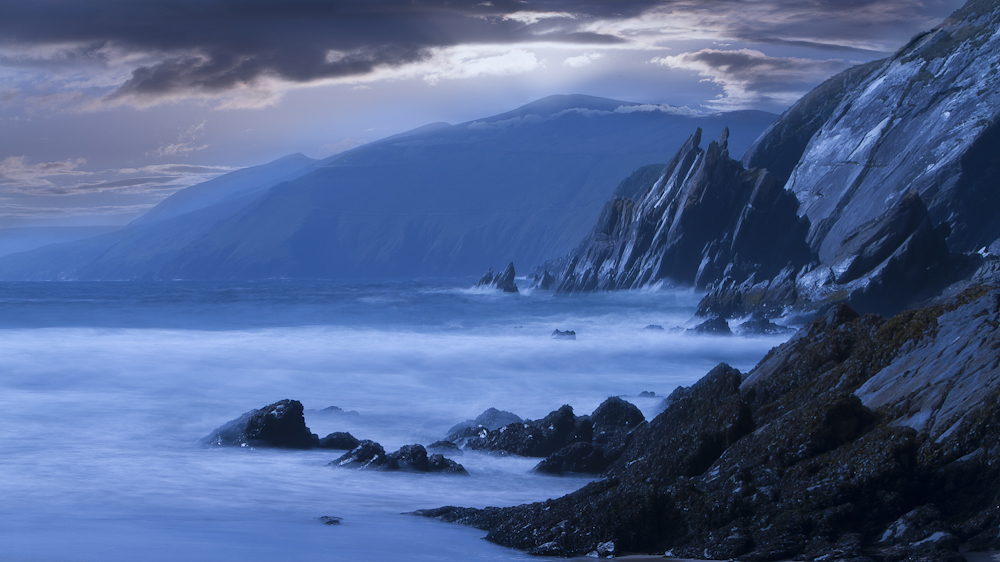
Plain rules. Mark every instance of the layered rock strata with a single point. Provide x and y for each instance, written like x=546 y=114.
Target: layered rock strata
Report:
x=878 y=188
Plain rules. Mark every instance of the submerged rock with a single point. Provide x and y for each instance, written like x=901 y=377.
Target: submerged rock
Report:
x=331 y=520
x=490 y=419
x=366 y=453
x=564 y=334
x=409 y=458
x=446 y=446
x=716 y=325
x=338 y=440
x=569 y=442
x=276 y=425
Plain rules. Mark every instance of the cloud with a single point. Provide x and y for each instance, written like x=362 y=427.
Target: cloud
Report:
x=531 y=18
x=20 y=178
x=463 y=64
x=98 y=53
x=663 y=108
x=17 y=170
x=749 y=78
x=582 y=60
x=185 y=142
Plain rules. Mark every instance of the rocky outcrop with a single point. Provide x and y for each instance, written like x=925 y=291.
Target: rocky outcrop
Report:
x=503 y=281
x=861 y=438
x=704 y=218
x=715 y=325
x=890 y=171
x=490 y=419
x=409 y=458
x=277 y=425
x=569 y=443
x=564 y=334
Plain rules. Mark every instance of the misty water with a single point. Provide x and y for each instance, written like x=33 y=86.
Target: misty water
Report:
x=106 y=389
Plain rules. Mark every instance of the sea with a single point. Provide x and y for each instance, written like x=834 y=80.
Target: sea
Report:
x=107 y=388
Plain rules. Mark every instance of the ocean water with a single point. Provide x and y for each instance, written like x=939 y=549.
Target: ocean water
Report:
x=106 y=388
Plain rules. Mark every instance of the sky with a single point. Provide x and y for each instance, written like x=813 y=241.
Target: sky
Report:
x=109 y=106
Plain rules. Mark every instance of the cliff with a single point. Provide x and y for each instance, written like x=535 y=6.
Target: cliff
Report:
x=888 y=174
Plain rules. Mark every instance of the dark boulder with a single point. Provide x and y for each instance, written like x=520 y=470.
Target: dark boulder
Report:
x=446 y=446
x=331 y=520
x=339 y=440
x=414 y=458
x=438 y=463
x=366 y=453
x=538 y=438
x=564 y=334
x=524 y=439
x=490 y=419
x=716 y=325
x=409 y=458
x=276 y=425
x=613 y=420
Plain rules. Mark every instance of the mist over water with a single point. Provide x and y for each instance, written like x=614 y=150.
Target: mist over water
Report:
x=106 y=388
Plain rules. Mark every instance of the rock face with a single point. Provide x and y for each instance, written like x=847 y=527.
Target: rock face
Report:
x=704 y=217
x=874 y=189
x=503 y=281
x=277 y=425
x=861 y=438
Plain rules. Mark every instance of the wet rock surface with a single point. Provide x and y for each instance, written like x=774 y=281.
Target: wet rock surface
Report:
x=716 y=325
x=338 y=440
x=816 y=453
x=409 y=458
x=491 y=419
x=276 y=425
x=569 y=443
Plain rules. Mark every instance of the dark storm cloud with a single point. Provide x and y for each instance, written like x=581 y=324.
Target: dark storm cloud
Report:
x=210 y=47
x=749 y=77
x=215 y=45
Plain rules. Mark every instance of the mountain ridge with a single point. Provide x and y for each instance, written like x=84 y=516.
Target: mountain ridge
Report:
x=444 y=200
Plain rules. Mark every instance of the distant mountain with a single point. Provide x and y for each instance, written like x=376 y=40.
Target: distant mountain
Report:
x=13 y=240
x=891 y=192
x=241 y=183
x=441 y=200
x=144 y=245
